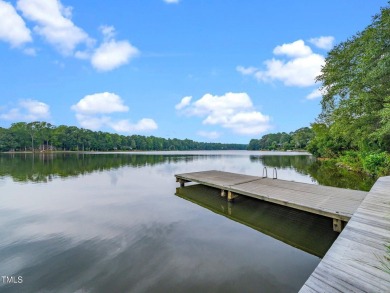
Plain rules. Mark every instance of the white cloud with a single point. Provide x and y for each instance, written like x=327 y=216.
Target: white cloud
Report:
x=323 y=42
x=246 y=70
x=295 y=49
x=183 y=103
x=100 y=103
x=209 y=134
x=27 y=110
x=54 y=24
x=108 y=32
x=92 y=122
x=112 y=54
x=13 y=29
x=300 y=70
x=171 y=1
x=145 y=124
x=234 y=111
x=92 y=113
x=315 y=94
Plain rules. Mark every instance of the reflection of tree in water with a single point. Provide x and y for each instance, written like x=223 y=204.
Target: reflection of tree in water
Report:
x=325 y=172
x=298 y=163
x=46 y=167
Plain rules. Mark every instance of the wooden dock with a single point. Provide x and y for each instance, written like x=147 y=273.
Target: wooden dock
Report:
x=336 y=203
x=355 y=261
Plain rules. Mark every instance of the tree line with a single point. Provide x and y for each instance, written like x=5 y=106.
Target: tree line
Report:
x=296 y=140
x=43 y=136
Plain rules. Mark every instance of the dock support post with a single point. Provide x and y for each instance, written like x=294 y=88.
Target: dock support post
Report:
x=223 y=193
x=338 y=225
x=231 y=196
x=181 y=181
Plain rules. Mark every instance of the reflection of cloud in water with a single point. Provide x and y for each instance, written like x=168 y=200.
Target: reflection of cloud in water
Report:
x=158 y=258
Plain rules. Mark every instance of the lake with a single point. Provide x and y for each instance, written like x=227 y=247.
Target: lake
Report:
x=118 y=222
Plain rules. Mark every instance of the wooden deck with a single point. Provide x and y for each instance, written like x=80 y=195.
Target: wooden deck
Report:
x=353 y=263
x=336 y=203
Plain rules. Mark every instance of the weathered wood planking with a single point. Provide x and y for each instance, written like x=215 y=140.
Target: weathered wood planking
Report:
x=353 y=263
x=336 y=203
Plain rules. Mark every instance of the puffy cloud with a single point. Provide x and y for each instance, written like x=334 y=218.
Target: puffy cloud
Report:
x=145 y=124
x=183 y=103
x=172 y=1
x=110 y=54
x=92 y=122
x=295 y=49
x=113 y=54
x=27 y=110
x=92 y=113
x=301 y=70
x=323 y=42
x=54 y=24
x=13 y=29
x=209 y=134
x=227 y=104
x=234 y=111
x=100 y=103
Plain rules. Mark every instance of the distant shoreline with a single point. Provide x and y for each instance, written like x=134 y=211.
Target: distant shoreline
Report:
x=150 y=151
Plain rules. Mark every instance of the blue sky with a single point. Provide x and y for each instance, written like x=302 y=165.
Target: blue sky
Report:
x=207 y=70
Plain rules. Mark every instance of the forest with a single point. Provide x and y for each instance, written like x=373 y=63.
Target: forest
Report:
x=296 y=140
x=43 y=136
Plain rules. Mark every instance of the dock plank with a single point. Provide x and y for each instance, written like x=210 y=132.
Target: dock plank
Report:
x=354 y=260
x=336 y=203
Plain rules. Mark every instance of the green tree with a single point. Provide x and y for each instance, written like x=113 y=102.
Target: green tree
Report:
x=33 y=129
x=356 y=83
x=19 y=132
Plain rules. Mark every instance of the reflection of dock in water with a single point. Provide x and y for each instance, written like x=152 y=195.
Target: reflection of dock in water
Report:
x=308 y=232
x=336 y=203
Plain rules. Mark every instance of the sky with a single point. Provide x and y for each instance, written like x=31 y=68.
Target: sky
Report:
x=207 y=70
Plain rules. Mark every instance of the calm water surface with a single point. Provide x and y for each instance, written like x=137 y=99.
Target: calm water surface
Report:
x=118 y=223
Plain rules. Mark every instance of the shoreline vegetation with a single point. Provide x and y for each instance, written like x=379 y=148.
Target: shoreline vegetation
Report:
x=40 y=136
x=353 y=129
